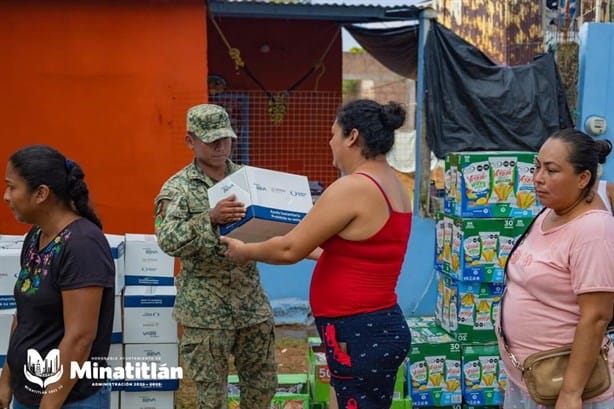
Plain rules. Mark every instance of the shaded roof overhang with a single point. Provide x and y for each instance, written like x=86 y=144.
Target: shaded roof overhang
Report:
x=343 y=14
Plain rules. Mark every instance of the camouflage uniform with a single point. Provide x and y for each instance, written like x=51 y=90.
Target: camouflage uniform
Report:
x=221 y=305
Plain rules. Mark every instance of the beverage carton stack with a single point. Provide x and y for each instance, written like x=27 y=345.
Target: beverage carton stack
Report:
x=489 y=202
x=149 y=338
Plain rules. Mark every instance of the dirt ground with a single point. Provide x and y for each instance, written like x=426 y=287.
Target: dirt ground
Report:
x=291 y=354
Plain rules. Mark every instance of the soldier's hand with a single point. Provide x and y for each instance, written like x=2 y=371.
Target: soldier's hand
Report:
x=228 y=210
x=236 y=250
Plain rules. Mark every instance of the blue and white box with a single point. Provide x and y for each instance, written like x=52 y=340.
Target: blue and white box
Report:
x=6 y=323
x=148 y=314
x=11 y=241
x=118 y=248
x=148 y=400
x=162 y=363
x=146 y=263
x=275 y=202
x=10 y=265
x=117 y=334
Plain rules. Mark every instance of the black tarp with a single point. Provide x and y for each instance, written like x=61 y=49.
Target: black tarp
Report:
x=395 y=48
x=473 y=104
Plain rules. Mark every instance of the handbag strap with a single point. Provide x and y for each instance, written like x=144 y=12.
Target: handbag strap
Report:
x=512 y=357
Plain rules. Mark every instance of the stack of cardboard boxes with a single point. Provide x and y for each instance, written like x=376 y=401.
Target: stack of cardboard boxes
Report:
x=489 y=202
x=149 y=330
x=10 y=250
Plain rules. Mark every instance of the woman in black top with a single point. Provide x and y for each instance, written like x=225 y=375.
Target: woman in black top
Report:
x=64 y=290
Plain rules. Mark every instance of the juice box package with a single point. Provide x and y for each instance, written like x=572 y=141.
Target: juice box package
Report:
x=434 y=368
x=468 y=310
x=318 y=373
x=401 y=403
x=484 y=379
x=291 y=392
x=439 y=241
x=479 y=247
x=490 y=184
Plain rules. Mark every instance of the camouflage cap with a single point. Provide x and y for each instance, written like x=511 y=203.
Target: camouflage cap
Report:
x=209 y=123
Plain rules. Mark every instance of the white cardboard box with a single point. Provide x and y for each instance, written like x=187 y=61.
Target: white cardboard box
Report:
x=275 y=202
x=146 y=263
x=148 y=314
x=147 y=400
x=10 y=265
x=11 y=241
x=117 y=335
x=6 y=322
x=163 y=355
x=116 y=356
x=118 y=249
x=115 y=401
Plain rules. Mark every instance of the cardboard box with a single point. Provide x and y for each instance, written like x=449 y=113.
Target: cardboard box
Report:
x=318 y=373
x=148 y=314
x=478 y=247
x=115 y=359
x=147 y=400
x=115 y=399
x=434 y=368
x=118 y=249
x=163 y=355
x=468 y=310
x=484 y=380
x=11 y=241
x=401 y=403
x=10 y=265
x=117 y=334
x=291 y=392
x=6 y=322
x=490 y=184
x=146 y=263
x=275 y=202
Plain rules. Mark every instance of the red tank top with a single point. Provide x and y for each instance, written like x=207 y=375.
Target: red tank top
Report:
x=353 y=277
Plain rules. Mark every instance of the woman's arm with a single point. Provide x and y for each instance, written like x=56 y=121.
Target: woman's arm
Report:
x=81 y=311
x=6 y=393
x=338 y=206
x=595 y=314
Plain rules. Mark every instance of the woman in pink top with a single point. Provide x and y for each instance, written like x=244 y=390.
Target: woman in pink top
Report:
x=560 y=277
x=358 y=230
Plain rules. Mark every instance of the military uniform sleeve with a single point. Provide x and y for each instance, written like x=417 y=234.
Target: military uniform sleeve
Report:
x=181 y=231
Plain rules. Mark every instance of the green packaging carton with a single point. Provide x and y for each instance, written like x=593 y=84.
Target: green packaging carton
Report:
x=484 y=379
x=434 y=367
x=479 y=247
x=291 y=392
x=468 y=310
x=319 y=375
x=490 y=184
x=402 y=403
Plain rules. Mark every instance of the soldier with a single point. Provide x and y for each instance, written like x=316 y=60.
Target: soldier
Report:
x=221 y=305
